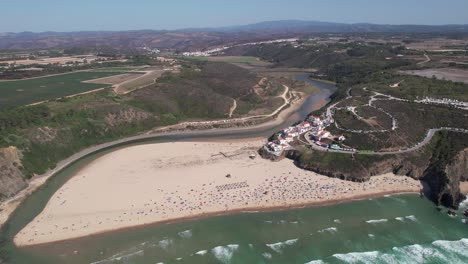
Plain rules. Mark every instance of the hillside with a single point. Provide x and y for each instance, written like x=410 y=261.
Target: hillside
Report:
x=33 y=139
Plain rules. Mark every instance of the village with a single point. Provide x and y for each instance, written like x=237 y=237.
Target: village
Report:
x=313 y=129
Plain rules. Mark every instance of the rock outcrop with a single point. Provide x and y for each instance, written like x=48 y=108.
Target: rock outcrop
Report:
x=440 y=166
x=11 y=176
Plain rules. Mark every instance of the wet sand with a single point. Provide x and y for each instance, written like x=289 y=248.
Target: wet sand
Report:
x=165 y=182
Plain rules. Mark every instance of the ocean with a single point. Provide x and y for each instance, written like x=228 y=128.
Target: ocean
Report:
x=393 y=229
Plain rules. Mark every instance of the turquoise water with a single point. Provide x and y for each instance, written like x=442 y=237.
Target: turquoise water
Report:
x=393 y=229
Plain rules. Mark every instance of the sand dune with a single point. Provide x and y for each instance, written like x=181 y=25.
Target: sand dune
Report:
x=160 y=182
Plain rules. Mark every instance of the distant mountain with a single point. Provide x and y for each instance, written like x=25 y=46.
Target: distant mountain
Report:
x=318 y=26
x=201 y=38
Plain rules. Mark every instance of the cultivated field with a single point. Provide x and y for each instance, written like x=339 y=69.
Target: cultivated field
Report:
x=253 y=61
x=111 y=80
x=449 y=74
x=139 y=82
x=23 y=92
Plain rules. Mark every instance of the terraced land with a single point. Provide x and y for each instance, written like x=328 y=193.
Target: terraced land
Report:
x=23 y=92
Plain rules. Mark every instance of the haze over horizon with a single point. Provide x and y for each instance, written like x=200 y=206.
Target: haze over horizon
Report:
x=120 y=15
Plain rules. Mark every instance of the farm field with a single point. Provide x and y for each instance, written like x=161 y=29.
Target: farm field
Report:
x=116 y=79
x=23 y=92
x=139 y=82
x=450 y=74
x=234 y=59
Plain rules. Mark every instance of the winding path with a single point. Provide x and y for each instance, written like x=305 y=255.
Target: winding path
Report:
x=428 y=59
x=233 y=107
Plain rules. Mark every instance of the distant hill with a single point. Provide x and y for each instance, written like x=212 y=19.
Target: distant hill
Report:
x=200 y=38
x=318 y=26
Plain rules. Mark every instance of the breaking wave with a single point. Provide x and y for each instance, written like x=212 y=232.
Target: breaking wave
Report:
x=358 y=257
x=224 y=253
x=412 y=218
x=315 y=262
x=439 y=251
x=329 y=230
x=278 y=247
x=408 y=217
x=267 y=255
x=201 y=252
x=378 y=221
x=119 y=257
x=185 y=234
x=164 y=244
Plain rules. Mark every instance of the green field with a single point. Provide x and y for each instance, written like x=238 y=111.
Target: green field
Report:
x=233 y=59
x=118 y=69
x=23 y=92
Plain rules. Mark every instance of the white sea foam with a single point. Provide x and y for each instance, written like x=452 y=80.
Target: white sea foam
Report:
x=178 y=259
x=401 y=219
x=337 y=221
x=278 y=247
x=201 y=252
x=358 y=257
x=440 y=251
x=418 y=253
x=329 y=230
x=463 y=205
x=371 y=235
x=412 y=218
x=267 y=255
x=224 y=253
x=459 y=247
x=294 y=222
x=119 y=257
x=185 y=234
x=378 y=221
x=164 y=244
x=268 y=221
x=318 y=261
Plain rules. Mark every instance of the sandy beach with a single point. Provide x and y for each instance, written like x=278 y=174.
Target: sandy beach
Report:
x=464 y=187
x=160 y=182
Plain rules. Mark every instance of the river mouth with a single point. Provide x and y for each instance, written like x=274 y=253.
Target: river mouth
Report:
x=36 y=202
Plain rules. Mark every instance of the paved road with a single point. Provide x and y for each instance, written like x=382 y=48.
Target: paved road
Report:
x=421 y=144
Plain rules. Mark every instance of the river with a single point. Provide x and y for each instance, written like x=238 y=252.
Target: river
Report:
x=395 y=227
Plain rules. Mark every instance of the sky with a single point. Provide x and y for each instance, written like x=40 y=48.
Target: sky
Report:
x=80 y=15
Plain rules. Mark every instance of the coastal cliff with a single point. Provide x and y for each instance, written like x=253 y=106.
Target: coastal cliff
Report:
x=442 y=165
x=11 y=178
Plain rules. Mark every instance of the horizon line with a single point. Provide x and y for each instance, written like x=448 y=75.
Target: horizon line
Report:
x=229 y=26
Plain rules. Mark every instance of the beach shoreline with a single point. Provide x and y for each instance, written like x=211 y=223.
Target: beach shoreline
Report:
x=180 y=181
x=228 y=213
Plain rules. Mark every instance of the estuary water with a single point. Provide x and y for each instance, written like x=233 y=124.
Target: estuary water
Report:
x=393 y=229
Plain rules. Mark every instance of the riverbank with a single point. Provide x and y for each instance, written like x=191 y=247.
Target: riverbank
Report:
x=165 y=182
